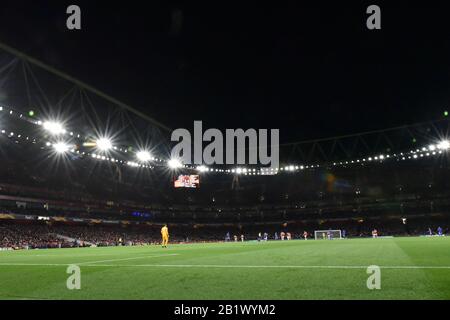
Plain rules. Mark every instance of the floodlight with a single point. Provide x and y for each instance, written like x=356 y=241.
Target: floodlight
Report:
x=144 y=156
x=54 y=127
x=103 y=144
x=61 y=147
x=174 y=163
x=202 y=168
x=444 y=145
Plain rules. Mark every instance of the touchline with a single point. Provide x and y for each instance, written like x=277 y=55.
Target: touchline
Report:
x=235 y=147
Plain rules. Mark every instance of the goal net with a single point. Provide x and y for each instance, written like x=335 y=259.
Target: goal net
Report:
x=327 y=234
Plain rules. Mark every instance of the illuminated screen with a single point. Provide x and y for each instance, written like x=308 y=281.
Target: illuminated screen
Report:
x=187 y=181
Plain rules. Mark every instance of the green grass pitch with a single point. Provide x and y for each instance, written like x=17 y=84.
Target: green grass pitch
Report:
x=411 y=268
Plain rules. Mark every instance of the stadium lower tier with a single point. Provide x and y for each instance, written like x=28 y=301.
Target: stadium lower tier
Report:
x=16 y=234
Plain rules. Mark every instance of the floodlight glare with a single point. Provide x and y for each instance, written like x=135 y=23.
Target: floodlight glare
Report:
x=144 y=156
x=202 y=168
x=54 y=128
x=174 y=163
x=61 y=147
x=444 y=145
x=103 y=144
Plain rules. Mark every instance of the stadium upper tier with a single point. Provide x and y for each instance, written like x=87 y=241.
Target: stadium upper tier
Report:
x=377 y=191
x=91 y=180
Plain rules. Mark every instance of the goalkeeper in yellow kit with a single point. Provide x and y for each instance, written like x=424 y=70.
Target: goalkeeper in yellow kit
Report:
x=165 y=236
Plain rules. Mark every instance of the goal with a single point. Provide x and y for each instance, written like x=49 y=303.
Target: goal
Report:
x=327 y=234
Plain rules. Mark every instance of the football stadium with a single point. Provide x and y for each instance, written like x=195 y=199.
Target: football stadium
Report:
x=296 y=182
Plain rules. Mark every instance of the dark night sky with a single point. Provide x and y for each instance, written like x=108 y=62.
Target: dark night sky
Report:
x=310 y=70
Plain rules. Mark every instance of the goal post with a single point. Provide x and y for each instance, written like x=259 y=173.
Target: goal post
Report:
x=327 y=234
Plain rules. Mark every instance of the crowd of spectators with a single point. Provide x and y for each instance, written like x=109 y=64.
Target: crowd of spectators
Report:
x=38 y=235
x=42 y=236
x=108 y=236
x=17 y=236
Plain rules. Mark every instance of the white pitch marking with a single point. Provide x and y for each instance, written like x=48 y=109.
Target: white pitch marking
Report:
x=57 y=255
x=124 y=259
x=87 y=262
x=219 y=266
x=287 y=267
